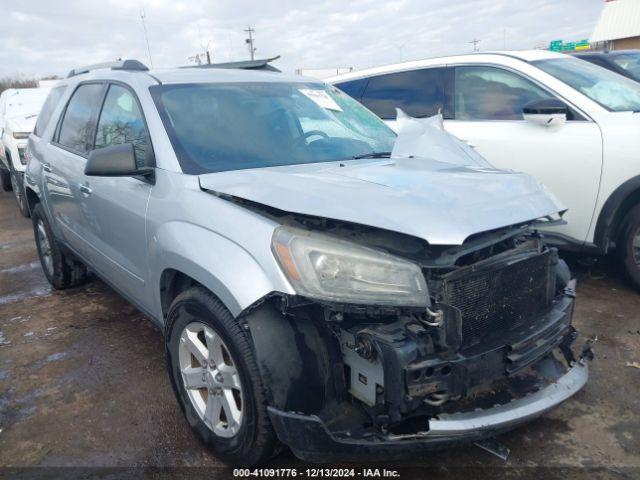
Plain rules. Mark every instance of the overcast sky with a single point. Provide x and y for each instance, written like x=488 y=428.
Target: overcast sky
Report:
x=42 y=37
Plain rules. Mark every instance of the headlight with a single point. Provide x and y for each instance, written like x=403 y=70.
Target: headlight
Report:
x=326 y=268
x=20 y=135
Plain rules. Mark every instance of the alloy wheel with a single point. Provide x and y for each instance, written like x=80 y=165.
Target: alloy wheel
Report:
x=636 y=247
x=44 y=247
x=211 y=379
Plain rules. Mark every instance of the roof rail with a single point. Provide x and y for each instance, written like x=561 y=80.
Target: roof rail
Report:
x=131 y=65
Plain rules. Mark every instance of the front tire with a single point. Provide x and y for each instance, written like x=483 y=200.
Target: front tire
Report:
x=216 y=379
x=630 y=245
x=18 y=192
x=62 y=271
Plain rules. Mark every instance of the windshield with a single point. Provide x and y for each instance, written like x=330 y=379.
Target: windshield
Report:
x=630 y=62
x=614 y=92
x=217 y=127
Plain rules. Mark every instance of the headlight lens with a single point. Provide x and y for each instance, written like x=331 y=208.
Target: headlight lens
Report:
x=327 y=268
x=20 y=135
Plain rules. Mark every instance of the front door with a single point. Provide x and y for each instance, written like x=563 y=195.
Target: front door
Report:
x=567 y=158
x=116 y=206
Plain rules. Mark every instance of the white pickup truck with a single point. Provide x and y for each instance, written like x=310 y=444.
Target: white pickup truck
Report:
x=19 y=110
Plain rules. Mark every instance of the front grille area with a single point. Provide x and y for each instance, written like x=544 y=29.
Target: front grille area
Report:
x=498 y=297
x=23 y=158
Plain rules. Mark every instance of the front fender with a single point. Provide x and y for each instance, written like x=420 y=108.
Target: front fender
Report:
x=225 y=268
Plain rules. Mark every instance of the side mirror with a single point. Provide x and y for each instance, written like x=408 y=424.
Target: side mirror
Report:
x=548 y=112
x=114 y=161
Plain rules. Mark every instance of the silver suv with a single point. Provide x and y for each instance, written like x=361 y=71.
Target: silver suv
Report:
x=314 y=290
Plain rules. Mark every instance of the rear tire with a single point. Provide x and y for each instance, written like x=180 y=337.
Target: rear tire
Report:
x=62 y=270
x=251 y=440
x=630 y=245
x=5 y=179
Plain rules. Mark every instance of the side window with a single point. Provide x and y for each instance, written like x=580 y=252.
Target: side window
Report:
x=77 y=122
x=353 y=88
x=420 y=93
x=121 y=121
x=48 y=107
x=490 y=93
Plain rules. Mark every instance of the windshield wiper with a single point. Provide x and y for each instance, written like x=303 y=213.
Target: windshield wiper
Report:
x=372 y=155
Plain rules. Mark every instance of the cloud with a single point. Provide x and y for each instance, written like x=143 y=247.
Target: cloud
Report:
x=43 y=38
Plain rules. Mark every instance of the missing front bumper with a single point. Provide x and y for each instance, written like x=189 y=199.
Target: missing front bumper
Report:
x=310 y=439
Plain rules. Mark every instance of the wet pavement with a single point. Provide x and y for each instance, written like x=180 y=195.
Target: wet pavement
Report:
x=83 y=383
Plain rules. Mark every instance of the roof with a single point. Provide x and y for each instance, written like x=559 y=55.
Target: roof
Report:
x=618 y=19
x=524 y=55
x=206 y=75
x=249 y=71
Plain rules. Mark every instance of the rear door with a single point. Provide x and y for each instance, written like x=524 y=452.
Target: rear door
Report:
x=64 y=169
x=419 y=93
x=567 y=158
x=116 y=206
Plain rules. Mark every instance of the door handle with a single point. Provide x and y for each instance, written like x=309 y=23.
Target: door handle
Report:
x=85 y=189
x=46 y=167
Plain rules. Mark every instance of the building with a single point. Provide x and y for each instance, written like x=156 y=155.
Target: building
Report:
x=618 y=27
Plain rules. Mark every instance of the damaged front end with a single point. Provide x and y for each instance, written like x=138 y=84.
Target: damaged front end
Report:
x=489 y=348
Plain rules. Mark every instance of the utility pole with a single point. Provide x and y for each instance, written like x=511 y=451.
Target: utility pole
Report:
x=249 y=42
x=475 y=42
x=146 y=37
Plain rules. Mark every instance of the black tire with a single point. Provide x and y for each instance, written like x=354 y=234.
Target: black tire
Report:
x=630 y=255
x=64 y=270
x=5 y=179
x=255 y=441
x=18 y=192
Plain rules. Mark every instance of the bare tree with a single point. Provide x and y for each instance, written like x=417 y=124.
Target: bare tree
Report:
x=17 y=82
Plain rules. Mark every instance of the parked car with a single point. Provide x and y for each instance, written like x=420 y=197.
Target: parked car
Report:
x=18 y=112
x=624 y=62
x=312 y=290
x=569 y=123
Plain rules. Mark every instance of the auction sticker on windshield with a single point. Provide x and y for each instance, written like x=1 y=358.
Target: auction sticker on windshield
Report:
x=321 y=98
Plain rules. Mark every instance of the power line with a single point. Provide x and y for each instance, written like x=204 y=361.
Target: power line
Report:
x=249 y=42
x=475 y=42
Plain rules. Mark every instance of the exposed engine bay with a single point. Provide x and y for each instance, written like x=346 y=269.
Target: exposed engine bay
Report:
x=497 y=329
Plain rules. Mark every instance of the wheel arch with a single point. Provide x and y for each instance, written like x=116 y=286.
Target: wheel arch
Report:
x=615 y=208
x=32 y=198
x=185 y=254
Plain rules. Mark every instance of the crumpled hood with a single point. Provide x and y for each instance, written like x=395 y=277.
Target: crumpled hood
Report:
x=440 y=202
x=22 y=124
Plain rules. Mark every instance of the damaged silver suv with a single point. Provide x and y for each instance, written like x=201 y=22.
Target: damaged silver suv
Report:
x=321 y=283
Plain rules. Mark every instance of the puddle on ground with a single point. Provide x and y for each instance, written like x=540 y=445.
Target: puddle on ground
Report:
x=54 y=357
x=18 y=296
x=25 y=267
x=23 y=281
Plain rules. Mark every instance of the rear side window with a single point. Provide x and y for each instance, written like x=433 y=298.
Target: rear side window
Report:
x=48 y=107
x=121 y=121
x=353 y=88
x=77 y=122
x=420 y=93
x=490 y=93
